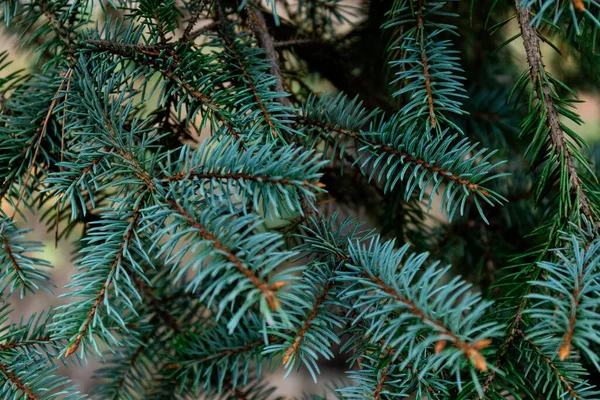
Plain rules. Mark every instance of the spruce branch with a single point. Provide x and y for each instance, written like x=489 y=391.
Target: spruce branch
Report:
x=154 y=59
x=249 y=80
x=15 y=380
x=564 y=302
x=66 y=81
x=557 y=135
x=267 y=290
x=311 y=311
x=427 y=66
x=20 y=270
x=118 y=259
x=293 y=350
x=388 y=148
x=555 y=370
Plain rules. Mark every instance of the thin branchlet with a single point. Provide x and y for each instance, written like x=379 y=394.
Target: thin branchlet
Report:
x=425 y=63
x=471 y=350
x=249 y=79
x=152 y=58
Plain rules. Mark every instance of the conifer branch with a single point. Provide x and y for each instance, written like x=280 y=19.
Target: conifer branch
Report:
x=56 y=25
x=15 y=380
x=140 y=54
x=13 y=261
x=565 y=348
x=241 y=176
x=249 y=79
x=299 y=337
x=66 y=80
x=201 y=31
x=156 y=305
x=127 y=235
x=131 y=365
x=381 y=382
x=544 y=94
x=425 y=63
x=197 y=7
x=269 y=291
x=259 y=27
x=406 y=157
x=564 y=382
x=27 y=343
x=471 y=350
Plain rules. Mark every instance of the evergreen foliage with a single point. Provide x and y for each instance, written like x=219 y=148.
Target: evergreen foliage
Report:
x=214 y=198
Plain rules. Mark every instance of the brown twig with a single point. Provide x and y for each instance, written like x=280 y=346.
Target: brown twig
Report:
x=242 y=177
x=259 y=27
x=471 y=350
x=565 y=348
x=249 y=81
x=118 y=257
x=425 y=63
x=13 y=260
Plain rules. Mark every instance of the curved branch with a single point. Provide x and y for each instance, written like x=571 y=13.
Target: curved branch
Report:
x=13 y=260
x=469 y=349
x=564 y=382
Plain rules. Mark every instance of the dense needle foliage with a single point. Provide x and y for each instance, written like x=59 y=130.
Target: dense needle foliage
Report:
x=214 y=191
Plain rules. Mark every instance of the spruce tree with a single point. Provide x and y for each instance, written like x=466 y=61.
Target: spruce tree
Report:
x=214 y=194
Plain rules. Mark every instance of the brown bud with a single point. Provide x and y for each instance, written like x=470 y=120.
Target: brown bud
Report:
x=278 y=285
x=482 y=344
x=440 y=345
x=579 y=6
x=564 y=351
x=72 y=349
x=479 y=361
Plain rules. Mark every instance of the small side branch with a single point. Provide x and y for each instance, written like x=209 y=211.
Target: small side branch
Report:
x=94 y=308
x=471 y=350
x=425 y=63
x=141 y=54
